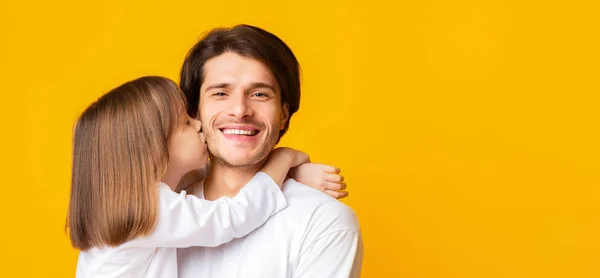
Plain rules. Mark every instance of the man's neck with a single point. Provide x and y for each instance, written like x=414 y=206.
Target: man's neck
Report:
x=224 y=180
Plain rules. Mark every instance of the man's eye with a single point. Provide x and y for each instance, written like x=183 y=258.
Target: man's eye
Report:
x=219 y=94
x=260 y=94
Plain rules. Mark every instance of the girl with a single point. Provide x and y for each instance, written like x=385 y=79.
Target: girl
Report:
x=131 y=149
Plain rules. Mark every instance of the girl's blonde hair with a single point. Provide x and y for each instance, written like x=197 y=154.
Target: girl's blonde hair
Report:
x=119 y=156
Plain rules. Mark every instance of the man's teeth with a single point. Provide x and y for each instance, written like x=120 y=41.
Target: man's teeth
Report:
x=239 y=132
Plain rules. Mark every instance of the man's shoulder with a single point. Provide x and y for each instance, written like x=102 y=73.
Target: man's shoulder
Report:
x=318 y=208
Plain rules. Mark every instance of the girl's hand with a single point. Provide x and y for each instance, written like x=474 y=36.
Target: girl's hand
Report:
x=322 y=177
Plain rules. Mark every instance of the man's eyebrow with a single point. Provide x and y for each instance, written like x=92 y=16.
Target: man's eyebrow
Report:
x=256 y=85
x=217 y=86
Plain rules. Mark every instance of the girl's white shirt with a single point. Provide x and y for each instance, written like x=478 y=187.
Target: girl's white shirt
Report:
x=184 y=221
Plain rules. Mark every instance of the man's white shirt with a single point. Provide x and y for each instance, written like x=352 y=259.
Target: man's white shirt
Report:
x=314 y=236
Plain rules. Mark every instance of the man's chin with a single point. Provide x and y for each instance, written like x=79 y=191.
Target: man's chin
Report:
x=238 y=155
x=240 y=161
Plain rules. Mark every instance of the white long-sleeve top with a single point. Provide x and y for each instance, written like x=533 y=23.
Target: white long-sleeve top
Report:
x=315 y=236
x=184 y=221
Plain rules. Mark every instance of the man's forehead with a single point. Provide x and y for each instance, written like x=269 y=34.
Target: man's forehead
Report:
x=235 y=70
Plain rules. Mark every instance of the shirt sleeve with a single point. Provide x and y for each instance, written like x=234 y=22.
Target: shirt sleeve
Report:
x=338 y=254
x=186 y=220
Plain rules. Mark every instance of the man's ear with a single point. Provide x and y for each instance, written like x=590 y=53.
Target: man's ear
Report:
x=285 y=116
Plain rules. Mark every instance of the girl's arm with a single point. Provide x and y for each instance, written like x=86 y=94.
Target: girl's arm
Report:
x=325 y=178
x=281 y=161
x=185 y=220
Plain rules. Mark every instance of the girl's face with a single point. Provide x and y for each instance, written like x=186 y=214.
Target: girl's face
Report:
x=187 y=146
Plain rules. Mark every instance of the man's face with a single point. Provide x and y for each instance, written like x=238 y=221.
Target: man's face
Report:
x=240 y=109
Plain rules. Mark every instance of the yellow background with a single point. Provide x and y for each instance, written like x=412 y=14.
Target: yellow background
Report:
x=467 y=129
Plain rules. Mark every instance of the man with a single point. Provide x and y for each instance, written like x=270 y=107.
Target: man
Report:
x=243 y=84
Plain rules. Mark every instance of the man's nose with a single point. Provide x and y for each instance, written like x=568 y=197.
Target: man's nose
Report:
x=240 y=107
